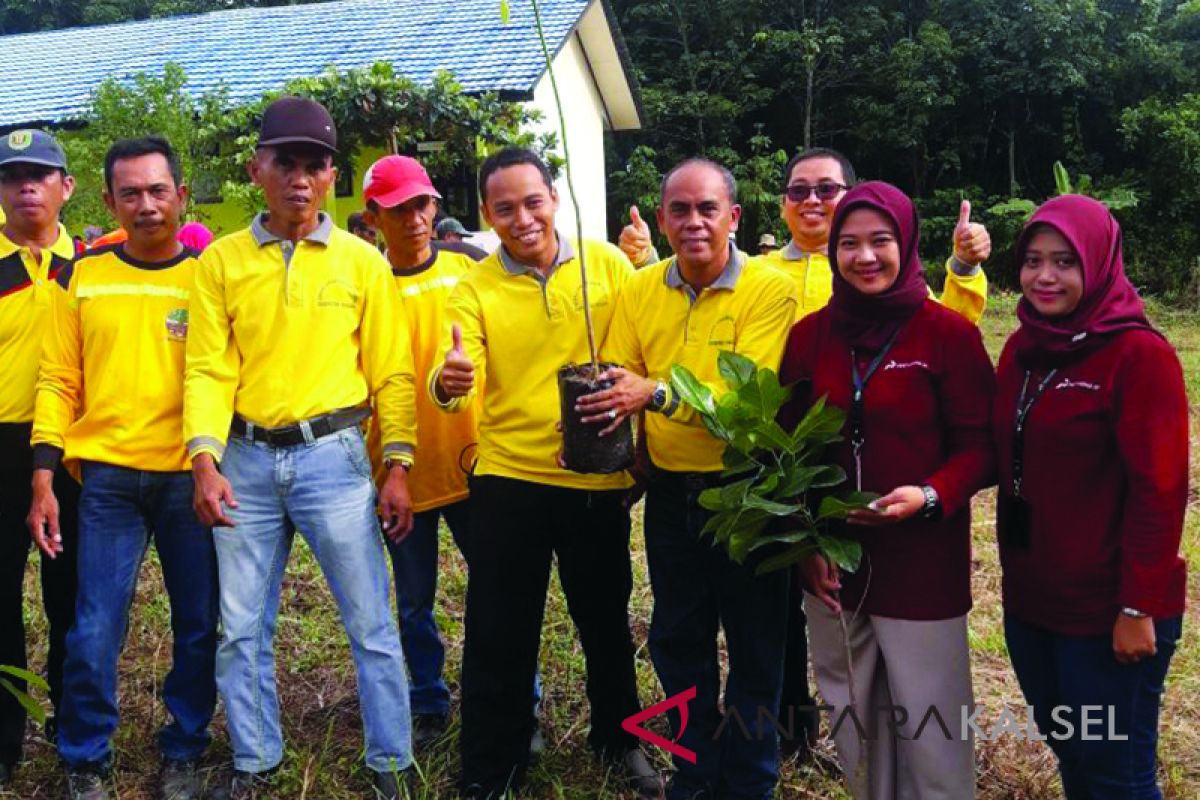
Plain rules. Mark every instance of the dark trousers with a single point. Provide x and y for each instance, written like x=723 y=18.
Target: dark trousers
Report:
x=58 y=576
x=698 y=590
x=518 y=527
x=1070 y=672
x=797 y=707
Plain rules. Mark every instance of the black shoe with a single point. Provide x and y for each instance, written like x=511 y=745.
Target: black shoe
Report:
x=427 y=729
x=395 y=785
x=180 y=780
x=87 y=783
x=6 y=773
x=799 y=746
x=245 y=786
x=639 y=775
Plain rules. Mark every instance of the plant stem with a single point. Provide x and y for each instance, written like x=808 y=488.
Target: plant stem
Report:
x=562 y=127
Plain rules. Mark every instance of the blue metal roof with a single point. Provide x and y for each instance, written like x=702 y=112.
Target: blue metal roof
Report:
x=254 y=50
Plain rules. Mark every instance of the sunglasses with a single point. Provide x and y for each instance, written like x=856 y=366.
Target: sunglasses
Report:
x=825 y=190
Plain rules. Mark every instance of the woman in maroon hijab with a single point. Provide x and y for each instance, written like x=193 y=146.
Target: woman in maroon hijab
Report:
x=917 y=387
x=1091 y=427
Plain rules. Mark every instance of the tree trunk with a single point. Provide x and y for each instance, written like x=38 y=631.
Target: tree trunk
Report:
x=808 y=106
x=1013 y=188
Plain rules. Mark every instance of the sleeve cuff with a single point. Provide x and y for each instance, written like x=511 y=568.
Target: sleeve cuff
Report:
x=651 y=258
x=206 y=444
x=399 y=451
x=47 y=456
x=962 y=269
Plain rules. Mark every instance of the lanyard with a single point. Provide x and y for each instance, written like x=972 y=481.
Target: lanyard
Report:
x=1023 y=408
x=858 y=383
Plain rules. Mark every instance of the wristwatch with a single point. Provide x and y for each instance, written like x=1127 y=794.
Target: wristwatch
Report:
x=658 y=400
x=932 y=509
x=390 y=462
x=1134 y=613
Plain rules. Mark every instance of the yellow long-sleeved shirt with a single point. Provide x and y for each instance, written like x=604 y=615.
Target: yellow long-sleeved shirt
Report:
x=519 y=329
x=111 y=382
x=966 y=294
x=661 y=321
x=282 y=332
x=26 y=289
x=447 y=442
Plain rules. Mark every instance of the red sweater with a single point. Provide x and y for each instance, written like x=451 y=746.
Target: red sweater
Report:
x=926 y=421
x=1106 y=476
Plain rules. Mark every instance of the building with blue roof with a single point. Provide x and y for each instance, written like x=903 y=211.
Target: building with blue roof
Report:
x=251 y=51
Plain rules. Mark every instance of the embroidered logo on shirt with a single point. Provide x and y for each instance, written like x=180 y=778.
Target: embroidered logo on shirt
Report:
x=723 y=333
x=177 y=325
x=1069 y=384
x=337 y=294
x=894 y=364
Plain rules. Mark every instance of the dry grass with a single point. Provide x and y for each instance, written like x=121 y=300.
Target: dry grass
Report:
x=321 y=713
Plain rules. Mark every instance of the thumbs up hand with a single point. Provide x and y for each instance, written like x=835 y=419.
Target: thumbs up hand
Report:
x=635 y=238
x=457 y=376
x=972 y=243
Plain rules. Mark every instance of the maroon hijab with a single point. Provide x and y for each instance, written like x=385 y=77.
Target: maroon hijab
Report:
x=866 y=320
x=1109 y=303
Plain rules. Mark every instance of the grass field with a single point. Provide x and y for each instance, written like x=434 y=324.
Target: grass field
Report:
x=321 y=714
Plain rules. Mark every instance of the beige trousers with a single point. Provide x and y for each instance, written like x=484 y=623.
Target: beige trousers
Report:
x=902 y=669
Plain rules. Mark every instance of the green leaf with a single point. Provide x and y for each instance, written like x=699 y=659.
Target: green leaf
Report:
x=737 y=370
x=770 y=506
x=828 y=476
x=821 y=425
x=790 y=537
x=838 y=507
x=31 y=706
x=31 y=678
x=787 y=558
x=691 y=391
x=712 y=500
x=846 y=553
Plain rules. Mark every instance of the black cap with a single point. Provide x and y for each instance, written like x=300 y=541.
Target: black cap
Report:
x=31 y=147
x=292 y=120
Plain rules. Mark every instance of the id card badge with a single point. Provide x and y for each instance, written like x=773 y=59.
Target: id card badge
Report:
x=1014 y=519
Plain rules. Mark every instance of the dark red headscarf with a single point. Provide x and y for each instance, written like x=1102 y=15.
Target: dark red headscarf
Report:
x=1109 y=303
x=869 y=320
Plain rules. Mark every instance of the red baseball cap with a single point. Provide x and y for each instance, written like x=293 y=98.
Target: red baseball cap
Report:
x=393 y=180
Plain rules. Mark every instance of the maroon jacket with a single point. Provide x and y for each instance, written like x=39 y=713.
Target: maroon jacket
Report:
x=1106 y=476
x=926 y=421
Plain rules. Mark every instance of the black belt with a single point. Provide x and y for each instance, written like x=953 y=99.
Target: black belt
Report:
x=291 y=435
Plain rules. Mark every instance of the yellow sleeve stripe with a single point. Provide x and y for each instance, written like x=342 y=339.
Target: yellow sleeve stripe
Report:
x=433 y=284
x=130 y=290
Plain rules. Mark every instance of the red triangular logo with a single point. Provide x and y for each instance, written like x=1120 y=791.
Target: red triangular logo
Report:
x=633 y=724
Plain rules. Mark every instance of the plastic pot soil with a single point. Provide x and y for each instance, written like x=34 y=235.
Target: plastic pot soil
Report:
x=584 y=450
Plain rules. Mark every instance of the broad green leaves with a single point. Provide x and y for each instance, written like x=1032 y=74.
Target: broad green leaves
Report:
x=31 y=706
x=777 y=503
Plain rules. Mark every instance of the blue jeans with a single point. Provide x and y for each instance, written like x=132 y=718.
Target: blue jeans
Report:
x=1076 y=671
x=415 y=567
x=698 y=590
x=324 y=489
x=119 y=510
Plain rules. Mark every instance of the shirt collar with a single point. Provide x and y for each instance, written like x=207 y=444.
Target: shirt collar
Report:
x=565 y=253
x=63 y=246
x=793 y=252
x=726 y=280
x=264 y=237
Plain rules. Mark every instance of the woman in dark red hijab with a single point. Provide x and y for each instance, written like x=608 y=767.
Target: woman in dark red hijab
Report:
x=918 y=435
x=1091 y=430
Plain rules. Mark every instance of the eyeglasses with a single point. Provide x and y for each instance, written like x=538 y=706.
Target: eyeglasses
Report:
x=825 y=190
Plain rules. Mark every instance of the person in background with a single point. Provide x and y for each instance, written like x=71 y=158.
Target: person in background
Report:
x=91 y=233
x=917 y=387
x=112 y=237
x=1091 y=426
x=35 y=253
x=452 y=236
x=357 y=224
x=110 y=404
x=766 y=244
x=195 y=236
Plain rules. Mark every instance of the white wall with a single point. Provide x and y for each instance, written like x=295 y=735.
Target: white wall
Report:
x=584 y=113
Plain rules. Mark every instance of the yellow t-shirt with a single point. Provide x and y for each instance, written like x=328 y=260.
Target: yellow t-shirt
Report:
x=26 y=289
x=283 y=332
x=518 y=329
x=111 y=381
x=966 y=294
x=661 y=321
x=447 y=442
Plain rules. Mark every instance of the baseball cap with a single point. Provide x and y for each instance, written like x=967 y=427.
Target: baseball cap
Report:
x=291 y=120
x=767 y=239
x=29 y=146
x=451 y=225
x=393 y=180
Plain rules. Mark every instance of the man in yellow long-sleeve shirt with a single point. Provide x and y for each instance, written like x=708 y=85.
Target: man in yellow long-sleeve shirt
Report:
x=110 y=402
x=296 y=326
x=35 y=252
x=710 y=297
x=517 y=319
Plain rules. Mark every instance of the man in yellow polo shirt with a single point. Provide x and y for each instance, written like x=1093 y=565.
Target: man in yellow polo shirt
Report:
x=517 y=318
x=35 y=251
x=401 y=204
x=685 y=310
x=110 y=404
x=296 y=326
